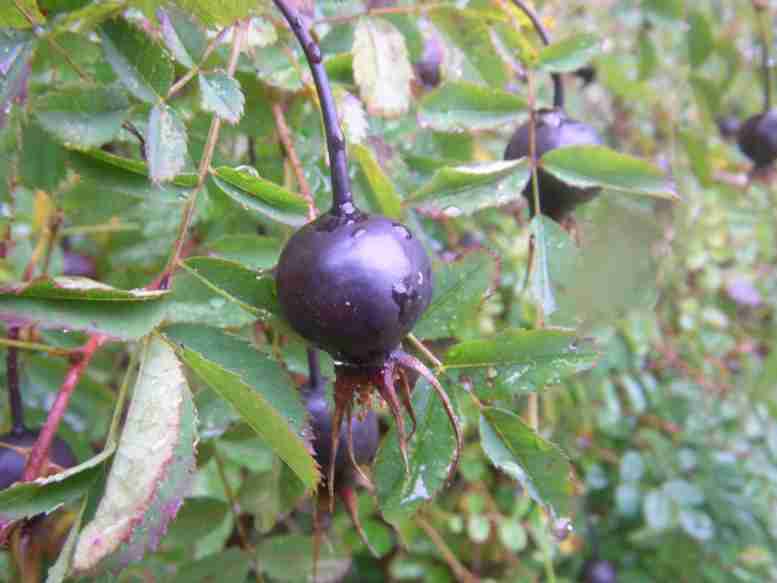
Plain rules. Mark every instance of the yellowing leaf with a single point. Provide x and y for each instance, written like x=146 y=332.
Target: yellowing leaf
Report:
x=381 y=67
x=152 y=468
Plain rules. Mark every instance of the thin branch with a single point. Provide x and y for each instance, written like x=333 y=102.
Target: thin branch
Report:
x=191 y=73
x=40 y=451
x=34 y=346
x=558 y=85
x=14 y=390
x=533 y=404
x=460 y=571
x=163 y=282
x=342 y=199
x=314 y=368
x=62 y=52
x=288 y=146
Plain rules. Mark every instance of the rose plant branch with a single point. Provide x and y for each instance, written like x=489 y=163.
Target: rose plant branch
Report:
x=291 y=153
x=40 y=451
x=163 y=281
x=12 y=376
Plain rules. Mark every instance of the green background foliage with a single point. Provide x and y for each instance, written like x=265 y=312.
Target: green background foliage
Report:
x=645 y=335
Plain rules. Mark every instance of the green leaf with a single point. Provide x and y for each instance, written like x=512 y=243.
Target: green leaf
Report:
x=467 y=30
x=140 y=63
x=166 y=144
x=461 y=106
x=764 y=388
x=185 y=40
x=289 y=557
x=221 y=95
x=254 y=293
x=352 y=116
x=430 y=451
x=87 y=16
x=194 y=300
x=520 y=361
x=153 y=467
x=701 y=41
x=12 y=17
x=229 y=565
x=587 y=166
x=78 y=288
x=383 y=194
x=82 y=117
x=131 y=165
x=541 y=285
x=220 y=12
x=85 y=305
x=27 y=499
x=381 y=67
x=457 y=190
x=516 y=449
x=459 y=289
x=252 y=192
x=255 y=385
x=253 y=251
x=570 y=54
x=42 y=162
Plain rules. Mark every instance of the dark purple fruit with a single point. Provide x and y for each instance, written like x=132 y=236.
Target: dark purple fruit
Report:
x=354 y=285
x=586 y=74
x=12 y=461
x=757 y=138
x=364 y=432
x=428 y=67
x=728 y=126
x=554 y=130
x=599 y=571
x=78 y=264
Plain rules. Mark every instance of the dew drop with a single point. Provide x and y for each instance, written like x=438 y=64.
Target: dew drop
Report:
x=358 y=232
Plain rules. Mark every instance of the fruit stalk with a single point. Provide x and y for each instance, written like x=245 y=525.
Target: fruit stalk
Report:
x=14 y=392
x=558 y=86
x=314 y=368
x=342 y=200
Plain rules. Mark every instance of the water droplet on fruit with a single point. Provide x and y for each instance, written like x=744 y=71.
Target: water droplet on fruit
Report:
x=315 y=52
x=402 y=230
x=347 y=208
x=420 y=278
x=358 y=232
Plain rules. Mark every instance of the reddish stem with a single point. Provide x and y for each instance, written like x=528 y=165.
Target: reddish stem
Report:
x=40 y=451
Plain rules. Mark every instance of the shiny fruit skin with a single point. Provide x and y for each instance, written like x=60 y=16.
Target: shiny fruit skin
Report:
x=757 y=138
x=354 y=286
x=554 y=129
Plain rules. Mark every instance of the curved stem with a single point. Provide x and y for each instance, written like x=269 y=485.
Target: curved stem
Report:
x=314 y=368
x=558 y=86
x=767 y=72
x=342 y=200
x=14 y=391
